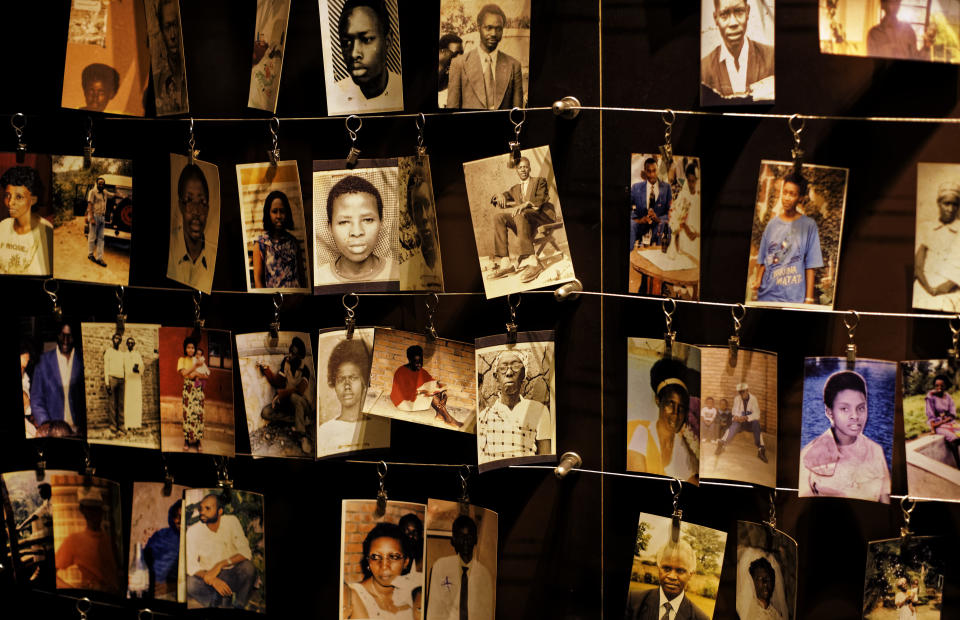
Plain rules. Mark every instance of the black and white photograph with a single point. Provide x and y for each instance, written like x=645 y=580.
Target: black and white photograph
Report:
x=665 y=225
x=279 y=393
x=520 y=198
x=484 y=61
x=355 y=244
x=165 y=41
x=905 y=578
x=51 y=378
x=766 y=573
x=343 y=369
x=194 y=222
x=737 y=52
x=156 y=512
x=419 y=253
x=679 y=569
x=460 y=563
x=269 y=43
x=361 y=56
x=26 y=215
x=122 y=371
x=381 y=560
x=936 y=264
x=516 y=400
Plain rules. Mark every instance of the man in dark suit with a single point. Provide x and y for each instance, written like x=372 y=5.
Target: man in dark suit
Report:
x=734 y=68
x=486 y=78
x=57 y=398
x=650 y=202
x=675 y=563
x=525 y=207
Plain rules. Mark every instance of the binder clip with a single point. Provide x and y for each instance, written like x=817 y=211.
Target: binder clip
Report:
x=274 y=153
x=167 y=477
x=50 y=287
x=223 y=475
x=273 y=333
x=515 y=144
x=677 y=515
x=349 y=321
x=382 y=493
x=421 y=122
x=354 y=155
x=669 y=307
x=512 y=323
x=88 y=468
x=796 y=125
x=192 y=152
x=666 y=150
x=737 y=312
x=851 y=321
x=198 y=322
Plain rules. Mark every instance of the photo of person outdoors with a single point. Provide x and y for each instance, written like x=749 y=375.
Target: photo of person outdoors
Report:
x=847 y=433
x=356 y=244
x=674 y=577
x=737 y=52
x=274 y=232
x=26 y=233
x=419 y=254
x=51 y=376
x=268 y=47
x=194 y=222
x=165 y=41
x=663 y=409
x=904 y=578
x=766 y=573
x=279 y=393
x=196 y=391
x=376 y=562
x=224 y=555
x=795 y=243
x=936 y=284
x=154 y=541
x=343 y=368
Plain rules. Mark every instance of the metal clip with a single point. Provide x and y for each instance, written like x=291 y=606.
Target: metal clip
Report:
x=512 y=323
x=464 y=494
x=954 y=350
x=274 y=153
x=83 y=607
x=515 y=144
x=851 y=321
x=273 y=334
x=41 y=465
x=737 y=312
x=354 y=155
x=89 y=148
x=568 y=462
x=223 y=475
x=771 y=522
x=349 y=321
x=433 y=300
x=197 y=321
x=167 y=476
x=121 y=316
x=568 y=107
x=382 y=493
x=796 y=152
x=677 y=515
x=18 y=121
x=421 y=121
x=192 y=152
x=88 y=469
x=50 y=287
x=905 y=530
x=666 y=151
x=669 y=307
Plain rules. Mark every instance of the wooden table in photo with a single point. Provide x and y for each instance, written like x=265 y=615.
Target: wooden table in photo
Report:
x=641 y=265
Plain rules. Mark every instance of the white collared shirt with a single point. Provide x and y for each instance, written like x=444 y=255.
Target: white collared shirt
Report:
x=350 y=99
x=180 y=267
x=523 y=188
x=66 y=369
x=674 y=605
x=738 y=78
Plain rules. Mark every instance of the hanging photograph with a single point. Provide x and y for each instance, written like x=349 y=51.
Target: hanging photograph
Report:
x=736 y=52
x=26 y=215
x=766 y=573
x=936 y=265
x=355 y=238
x=419 y=251
x=681 y=569
x=194 y=222
x=911 y=30
x=154 y=541
x=279 y=393
x=461 y=562
x=274 y=231
x=361 y=56
x=51 y=378
x=268 y=46
x=931 y=430
x=522 y=198
x=905 y=578
x=343 y=368
x=663 y=409
x=795 y=242
x=92 y=219
x=165 y=40
x=516 y=400
x=107 y=65
x=87 y=533
x=484 y=54
x=196 y=391
x=381 y=561
x=416 y=379
x=847 y=428
x=665 y=226
x=123 y=388
x=738 y=415
x=224 y=557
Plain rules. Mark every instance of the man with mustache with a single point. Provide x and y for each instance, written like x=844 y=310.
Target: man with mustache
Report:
x=220 y=572
x=486 y=78
x=365 y=39
x=736 y=66
x=189 y=262
x=676 y=563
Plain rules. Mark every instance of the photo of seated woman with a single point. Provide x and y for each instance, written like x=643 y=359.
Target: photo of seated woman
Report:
x=355 y=235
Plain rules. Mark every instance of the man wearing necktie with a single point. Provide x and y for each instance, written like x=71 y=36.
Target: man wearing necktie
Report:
x=486 y=78
x=461 y=588
x=650 y=201
x=676 y=563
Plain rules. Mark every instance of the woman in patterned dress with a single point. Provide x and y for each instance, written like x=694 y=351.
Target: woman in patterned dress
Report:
x=191 y=368
x=277 y=262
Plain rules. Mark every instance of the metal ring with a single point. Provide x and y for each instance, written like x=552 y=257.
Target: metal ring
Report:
x=277 y=301
x=382 y=470
x=346 y=122
x=851 y=321
x=954 y=329
x=673 y=306
x=89 y=126
x=19 y=116
x=907 y=511
x=464 y=473
x=432 y=301
x=146 y=612
x=355 y=303
x=83 y=605
x=514 y=306
x=119 y=294
x=796 y=130
x=672 y=116
x=55 y=286
x=676 y=494
x=274 y=125
x=421 y=121
x=733 y=313
x=523 y=116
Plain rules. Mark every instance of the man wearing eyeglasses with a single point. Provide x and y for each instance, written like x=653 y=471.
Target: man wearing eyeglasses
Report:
x=739 y=67
x=461 y=588
x=188 y=262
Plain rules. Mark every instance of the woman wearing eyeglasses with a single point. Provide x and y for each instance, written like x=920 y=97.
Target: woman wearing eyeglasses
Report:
x=378 y=595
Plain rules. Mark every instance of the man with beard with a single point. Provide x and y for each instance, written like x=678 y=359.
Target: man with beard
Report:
x=290 y=405
x=113 y=374
x=738 y=66
x=758 y=606
x=676 y=562
x=57 y=397
x=936 y=276
x=170 y=76
x=461 y=588
x=513 y=426
x=218 y=558
x=189 y=262
x=365 y=39
x=96 y=220
x=486 y=78
x=415 y=390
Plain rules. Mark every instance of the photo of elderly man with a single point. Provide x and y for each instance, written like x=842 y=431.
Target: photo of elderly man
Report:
x=736 y=43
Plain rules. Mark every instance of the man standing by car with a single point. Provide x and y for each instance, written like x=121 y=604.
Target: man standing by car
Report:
x=96 y=219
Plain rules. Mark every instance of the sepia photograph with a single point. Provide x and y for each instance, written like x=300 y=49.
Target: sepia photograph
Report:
x=910 y=30
x=343 y=368
x=795 y=242
x=680 y=568
x=51 y=378
x=663 y=409
x=361 y=56
x=419 y=251
x=516 y=400
x=846 y=441
x=425 y=381
x=274 y=230
x=268 y=47
x=931 y=430
x=665 y=225
x=26 y=215
x=92 y=219
x=738 y=415
x=196 y=391
x=107 y=65
x=737 y=52
x=224 y=561
x=154 y=541
x=904 y=578
x=766 y=573
x=381 y=560
x=356 y=244
x=122 y=371
x=461 y=546
x=194 y=222
x=484 y=61
x=279 y=393
x=165 y=42
x=936 y=264
x=519 y=197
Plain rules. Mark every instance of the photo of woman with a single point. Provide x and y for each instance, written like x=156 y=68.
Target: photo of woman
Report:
x=276 y=259
x=194 y=372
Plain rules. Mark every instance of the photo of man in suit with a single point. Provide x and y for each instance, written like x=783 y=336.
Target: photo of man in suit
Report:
x=486 y=78
x=676 y=563
x=57 y=399
x=739 y=70
x=650 y=202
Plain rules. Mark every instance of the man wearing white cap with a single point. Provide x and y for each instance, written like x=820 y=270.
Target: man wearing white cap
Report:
x=935 y=268
x=91 y=549
x=746 y=417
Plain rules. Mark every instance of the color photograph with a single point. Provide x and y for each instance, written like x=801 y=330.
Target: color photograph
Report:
x=165 y=41
x=904 y=579
x=419 y=254
x=936 y=264
x=268 y=47
x=51 y=377
x=154 y=541
x=737 y=52
x=26 y=216
x=194 y=222
x=766 y=573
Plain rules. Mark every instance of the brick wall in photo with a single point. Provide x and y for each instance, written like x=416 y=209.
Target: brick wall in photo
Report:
x=358 y=519
x=718 y=379
x=97 y=337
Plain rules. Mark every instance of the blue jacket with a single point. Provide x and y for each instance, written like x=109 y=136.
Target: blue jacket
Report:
x=46 y=390
x=638 y=198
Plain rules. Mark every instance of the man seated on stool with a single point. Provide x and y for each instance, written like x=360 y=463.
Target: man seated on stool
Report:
x=746 y=417
x=218 y=558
